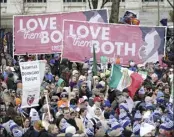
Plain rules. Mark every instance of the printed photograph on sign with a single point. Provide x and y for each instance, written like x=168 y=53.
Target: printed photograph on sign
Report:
x=138 y=43
x=42 y=34
x=32 y=74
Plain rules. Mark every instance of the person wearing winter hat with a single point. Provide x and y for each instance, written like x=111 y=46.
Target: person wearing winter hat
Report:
x=126 y=124
x=146 y=130
x=128 y=99
x=100 y=87
x=141 y=94
x=34 y=115
x=107 y=108
x=64 y=100
x=14 y=128
x=124 y=107
x=136 y=130
x=150 y=106
x=137 y=116
x=123 y=116
x=166 y=128
x=115 y=130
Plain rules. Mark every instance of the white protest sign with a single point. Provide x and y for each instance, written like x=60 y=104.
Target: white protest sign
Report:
x=32 y=76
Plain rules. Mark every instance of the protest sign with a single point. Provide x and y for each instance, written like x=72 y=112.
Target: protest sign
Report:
x=32 y=75
x=39 y=34
x=140 y=44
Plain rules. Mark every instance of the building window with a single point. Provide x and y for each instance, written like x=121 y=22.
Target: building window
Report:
x=35 y=1
x=152 y=0
x=74 y=0
x=3 y=1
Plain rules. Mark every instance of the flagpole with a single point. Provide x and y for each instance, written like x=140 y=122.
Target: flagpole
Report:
x=94 y=68
x=158 y=12
x=49 y=114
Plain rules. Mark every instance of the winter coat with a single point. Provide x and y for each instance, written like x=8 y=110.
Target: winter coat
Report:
x=126 y=133
x=31 y=133
x=10 y=83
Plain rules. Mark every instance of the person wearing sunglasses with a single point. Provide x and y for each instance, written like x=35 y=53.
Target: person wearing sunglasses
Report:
x=84 y=90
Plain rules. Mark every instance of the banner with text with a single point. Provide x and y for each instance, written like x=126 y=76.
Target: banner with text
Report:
x=37 y=34
x=141 y=44
x=32 y=76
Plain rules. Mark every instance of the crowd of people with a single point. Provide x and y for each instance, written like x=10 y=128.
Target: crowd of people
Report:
x=81 y=104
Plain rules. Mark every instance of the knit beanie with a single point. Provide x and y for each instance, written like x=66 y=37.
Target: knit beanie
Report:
x=157 y=113
x=141 y=91
x=124 y=106
x=137 y=116
x=17 y=133
x=149 y=106
x=34 y=115
x=112 y=119
x=115 y=125
x=159 y=94
x=12 y=125
x=123 y=116
x=125 y=123
x=136 y=129
x=107 y=103
x=90 y=131
x=168 y=126
x=14 y=129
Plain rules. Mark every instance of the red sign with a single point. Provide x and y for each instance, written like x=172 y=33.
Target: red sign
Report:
x=111 y=40
x=37 y=34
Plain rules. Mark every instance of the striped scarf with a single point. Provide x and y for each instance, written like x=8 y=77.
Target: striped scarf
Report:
x=64 y=125
x=90 y=132
x=85 y=122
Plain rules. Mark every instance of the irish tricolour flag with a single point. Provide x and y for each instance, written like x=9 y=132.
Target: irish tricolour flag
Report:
x=122 y=78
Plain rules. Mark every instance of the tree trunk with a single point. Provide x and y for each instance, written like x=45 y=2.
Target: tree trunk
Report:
x=114 y=17
x=95 y=4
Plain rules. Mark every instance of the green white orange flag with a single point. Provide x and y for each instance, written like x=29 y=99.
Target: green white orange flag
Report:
x=122 y=78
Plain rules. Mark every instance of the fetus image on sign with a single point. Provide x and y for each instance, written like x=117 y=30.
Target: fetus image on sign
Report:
x=148 y=52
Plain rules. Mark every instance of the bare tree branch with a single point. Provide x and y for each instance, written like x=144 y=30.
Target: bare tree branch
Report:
x=89 y=2
x=103 y=3
x=170 y=4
